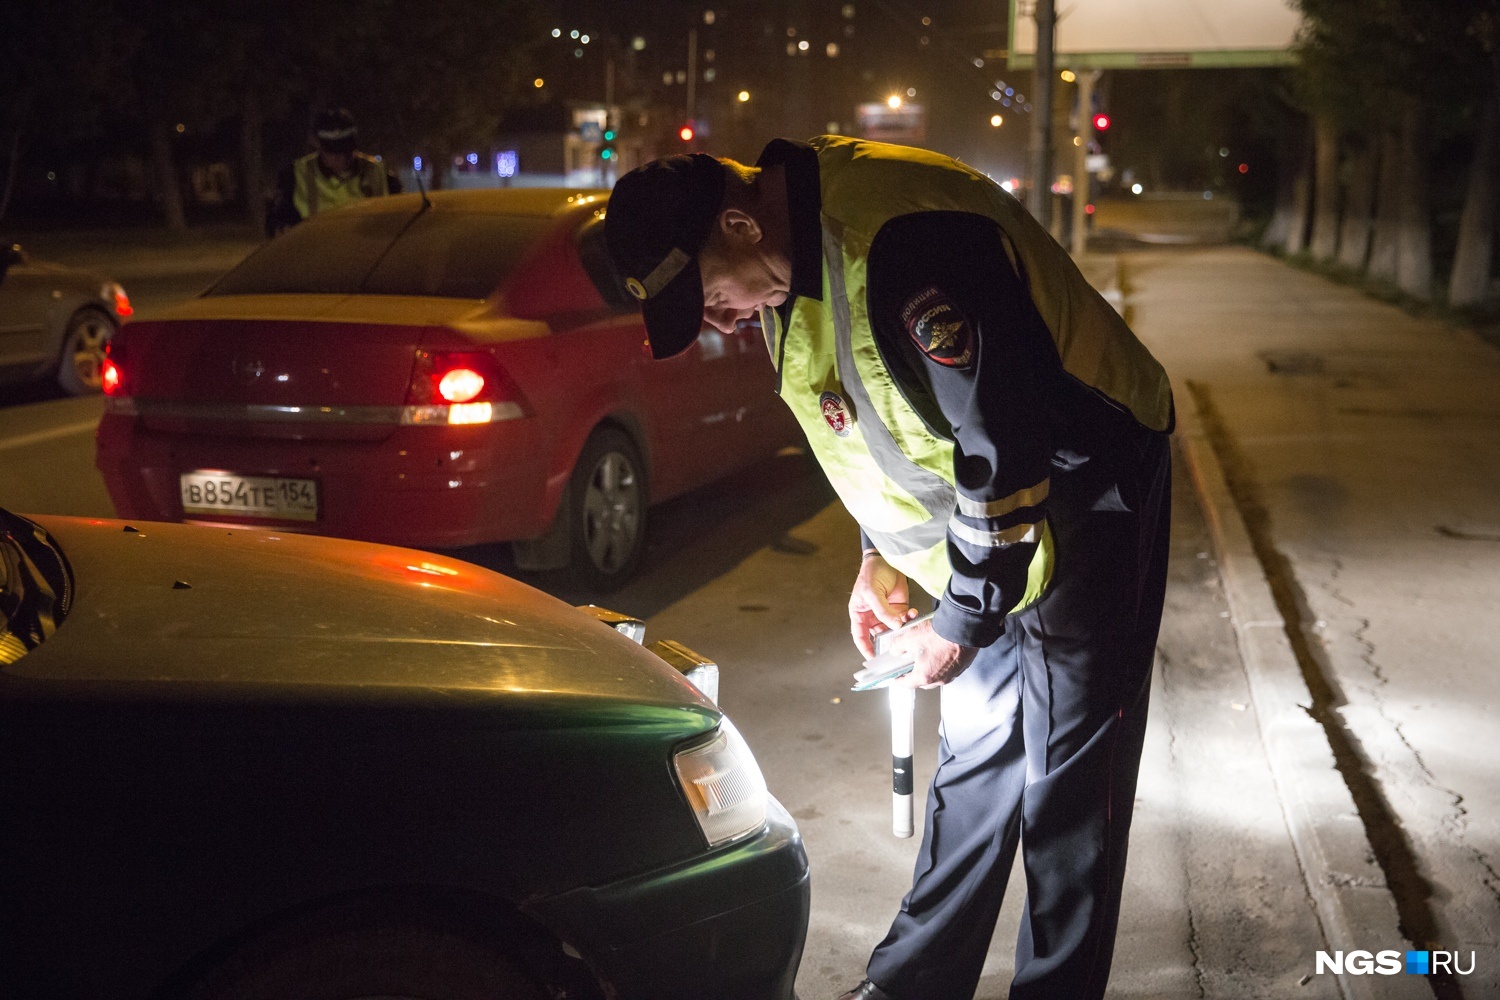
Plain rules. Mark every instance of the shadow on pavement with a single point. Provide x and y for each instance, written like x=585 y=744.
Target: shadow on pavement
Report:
x=693 y=539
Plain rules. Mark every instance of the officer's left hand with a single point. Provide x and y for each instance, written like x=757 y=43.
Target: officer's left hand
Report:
x=938 y=660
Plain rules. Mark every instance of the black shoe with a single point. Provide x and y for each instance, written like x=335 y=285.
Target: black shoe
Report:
x=866 y=990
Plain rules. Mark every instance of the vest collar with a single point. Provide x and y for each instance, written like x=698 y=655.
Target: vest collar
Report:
x=805 y=206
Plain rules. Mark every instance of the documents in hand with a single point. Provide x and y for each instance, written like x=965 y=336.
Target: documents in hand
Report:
x=888 y=664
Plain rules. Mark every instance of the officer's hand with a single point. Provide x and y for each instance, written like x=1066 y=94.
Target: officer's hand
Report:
x=938 y=661
x=880 y=600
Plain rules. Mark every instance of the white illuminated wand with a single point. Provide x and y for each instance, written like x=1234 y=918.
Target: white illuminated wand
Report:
x=877 y=673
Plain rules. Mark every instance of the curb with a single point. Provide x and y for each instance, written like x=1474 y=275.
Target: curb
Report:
x=1345 y=885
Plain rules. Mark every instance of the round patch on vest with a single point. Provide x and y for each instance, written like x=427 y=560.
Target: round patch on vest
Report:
x=938 y=329
x=836 y=413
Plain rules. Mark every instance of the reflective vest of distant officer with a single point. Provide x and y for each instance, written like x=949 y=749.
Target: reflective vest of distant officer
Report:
x=335 y=174
x=316 y=189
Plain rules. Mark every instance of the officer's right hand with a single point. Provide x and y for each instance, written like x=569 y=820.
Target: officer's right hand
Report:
x=880 y=600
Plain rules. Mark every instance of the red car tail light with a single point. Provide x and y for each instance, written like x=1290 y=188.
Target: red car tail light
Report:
x=460 y=385
x=114 y=293
x=459 y=388
x=111 y=377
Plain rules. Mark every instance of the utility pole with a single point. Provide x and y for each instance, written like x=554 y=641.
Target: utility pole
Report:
x=692 y=78
x=1081 y=184
x=1040 y=199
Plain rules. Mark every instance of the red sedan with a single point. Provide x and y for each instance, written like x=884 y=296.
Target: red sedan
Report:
x=431 y=373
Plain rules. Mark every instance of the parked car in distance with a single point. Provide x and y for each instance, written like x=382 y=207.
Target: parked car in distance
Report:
x=239 y=763
x=55 y=321
x=435 y=373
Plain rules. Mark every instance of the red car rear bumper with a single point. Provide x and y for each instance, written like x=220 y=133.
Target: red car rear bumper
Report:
x=426 y=487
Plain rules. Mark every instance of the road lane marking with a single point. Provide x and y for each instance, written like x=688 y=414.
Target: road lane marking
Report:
x=38 y=437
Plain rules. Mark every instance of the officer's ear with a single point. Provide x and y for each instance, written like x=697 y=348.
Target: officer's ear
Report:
x=739 y=226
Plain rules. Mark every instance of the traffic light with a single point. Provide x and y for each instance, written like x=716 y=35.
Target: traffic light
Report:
x=1101 y=123
x=608 y=152
x=686 y=133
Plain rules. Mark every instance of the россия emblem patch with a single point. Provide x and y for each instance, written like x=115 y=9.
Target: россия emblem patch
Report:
x=938 y=329
x=836 y=413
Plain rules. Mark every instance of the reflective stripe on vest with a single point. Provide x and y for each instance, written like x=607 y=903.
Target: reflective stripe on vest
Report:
x=903 y=497
x=314 y=190
x=932 y=491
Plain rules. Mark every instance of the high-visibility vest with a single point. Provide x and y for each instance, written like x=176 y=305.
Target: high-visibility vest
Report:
x=894 y=474
x=315 y=190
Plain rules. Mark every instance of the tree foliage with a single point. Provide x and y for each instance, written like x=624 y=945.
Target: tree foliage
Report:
x=435 y=74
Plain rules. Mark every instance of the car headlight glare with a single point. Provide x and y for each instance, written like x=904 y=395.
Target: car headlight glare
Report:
x=724 y=786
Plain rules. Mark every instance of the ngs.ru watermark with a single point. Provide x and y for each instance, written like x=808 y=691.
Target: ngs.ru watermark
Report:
x=1393 y=963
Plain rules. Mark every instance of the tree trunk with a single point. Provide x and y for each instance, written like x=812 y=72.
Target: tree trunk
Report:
x=1325 y=226
x=11 y=168
x=1354 y=234
x=1302 y=191
x=1414 y=248
x=1469 y=284
x=1286 y=202
x=253 y=158
x=1386 y=237
x=168 y=186
x=442 y=162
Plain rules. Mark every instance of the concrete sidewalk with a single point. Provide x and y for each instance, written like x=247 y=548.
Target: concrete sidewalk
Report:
x=1360 y=448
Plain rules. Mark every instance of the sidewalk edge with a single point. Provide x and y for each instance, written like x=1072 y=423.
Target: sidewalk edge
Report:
x=1354 y=910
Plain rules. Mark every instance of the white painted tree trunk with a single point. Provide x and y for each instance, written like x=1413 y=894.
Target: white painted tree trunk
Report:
x=1469 y=283
x=1384 y=240
x=1359 y=204
x=1302 y=190
x=1414 y=246
x=1325 y=223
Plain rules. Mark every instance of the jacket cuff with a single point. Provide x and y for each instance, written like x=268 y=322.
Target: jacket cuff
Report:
x=965 y=627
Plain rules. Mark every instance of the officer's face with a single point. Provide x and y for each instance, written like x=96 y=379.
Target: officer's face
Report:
x=336 y=162
x=740 y=272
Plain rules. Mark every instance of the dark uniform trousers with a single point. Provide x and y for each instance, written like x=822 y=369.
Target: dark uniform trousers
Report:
x=1040 y=742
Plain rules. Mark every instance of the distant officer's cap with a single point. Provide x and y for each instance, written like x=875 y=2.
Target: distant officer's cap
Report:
x=659 y=217
x=336 y=130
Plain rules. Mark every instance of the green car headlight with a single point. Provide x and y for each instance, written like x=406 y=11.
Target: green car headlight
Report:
x=723 y=785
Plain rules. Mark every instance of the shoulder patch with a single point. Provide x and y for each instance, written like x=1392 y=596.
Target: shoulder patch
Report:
x=938 y=329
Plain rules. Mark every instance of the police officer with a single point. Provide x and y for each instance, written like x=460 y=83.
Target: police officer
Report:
x=1001 y=437
x=334 y=174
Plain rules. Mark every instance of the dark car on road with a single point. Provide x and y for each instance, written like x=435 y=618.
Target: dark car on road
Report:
x=244 y=764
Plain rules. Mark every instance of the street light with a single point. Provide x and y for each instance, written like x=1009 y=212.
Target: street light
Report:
x=893 y=102
x=996 y=120
x=744 y=96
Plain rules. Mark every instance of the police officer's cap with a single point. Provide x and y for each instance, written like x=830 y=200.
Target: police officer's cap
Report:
x=659 y=217
x=335 y=130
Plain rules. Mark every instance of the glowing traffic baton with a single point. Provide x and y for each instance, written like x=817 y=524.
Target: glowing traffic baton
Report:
x=878 y=673
x=903 y=720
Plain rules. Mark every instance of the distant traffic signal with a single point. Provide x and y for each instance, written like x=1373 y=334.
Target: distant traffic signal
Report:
x=1101 y=123
x=686 y=133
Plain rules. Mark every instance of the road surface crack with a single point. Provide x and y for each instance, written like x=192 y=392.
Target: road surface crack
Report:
x=1397 y=859
x=1168 y=684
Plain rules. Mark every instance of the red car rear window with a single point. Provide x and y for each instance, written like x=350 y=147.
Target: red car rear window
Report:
x=440 y=253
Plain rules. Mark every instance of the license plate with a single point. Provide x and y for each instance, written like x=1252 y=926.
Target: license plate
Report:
x=249 y=496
